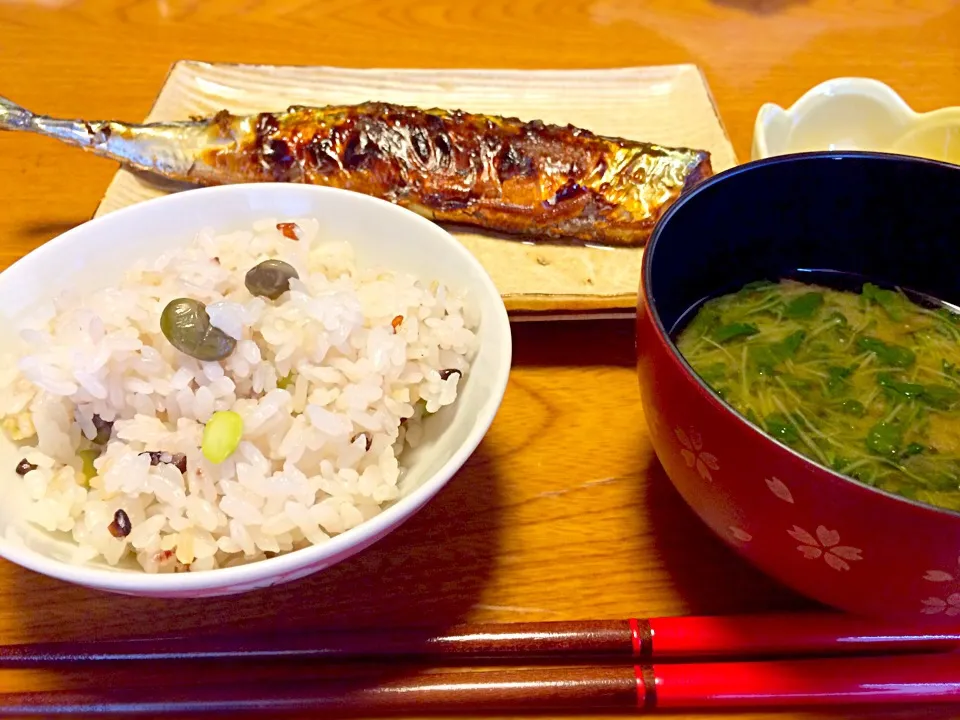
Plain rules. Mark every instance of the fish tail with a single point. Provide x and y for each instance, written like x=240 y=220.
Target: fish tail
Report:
x=14 y=117
x=75 y=132
x=173 y=150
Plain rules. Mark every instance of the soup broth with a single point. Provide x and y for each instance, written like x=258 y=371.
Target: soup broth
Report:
x=865 y=383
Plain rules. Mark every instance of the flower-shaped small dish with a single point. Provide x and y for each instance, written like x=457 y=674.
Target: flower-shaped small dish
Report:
x=856 y=114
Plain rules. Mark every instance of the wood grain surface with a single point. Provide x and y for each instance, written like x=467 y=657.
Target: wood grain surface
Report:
x=563 y=512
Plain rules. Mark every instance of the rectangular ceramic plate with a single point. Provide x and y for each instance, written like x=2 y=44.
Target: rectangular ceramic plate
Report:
x=670 y=105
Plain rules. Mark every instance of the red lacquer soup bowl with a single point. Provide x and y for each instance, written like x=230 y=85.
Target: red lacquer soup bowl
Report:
x=887 y=218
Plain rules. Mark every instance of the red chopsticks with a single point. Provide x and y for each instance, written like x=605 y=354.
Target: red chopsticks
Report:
x=924 y=679
x=661 y=639
x=608 y=664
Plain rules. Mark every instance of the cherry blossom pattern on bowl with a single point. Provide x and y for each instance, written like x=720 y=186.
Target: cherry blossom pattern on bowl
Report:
x=694 y=455
x=825 y=545
x=825 y=535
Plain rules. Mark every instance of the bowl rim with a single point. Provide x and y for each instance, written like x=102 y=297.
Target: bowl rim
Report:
x=259 y=574
x=680 y=361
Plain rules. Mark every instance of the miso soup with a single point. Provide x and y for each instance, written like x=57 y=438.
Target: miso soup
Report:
x=865 y=383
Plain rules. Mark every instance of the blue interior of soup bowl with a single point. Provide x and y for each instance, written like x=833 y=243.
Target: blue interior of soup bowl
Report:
x=889 y=218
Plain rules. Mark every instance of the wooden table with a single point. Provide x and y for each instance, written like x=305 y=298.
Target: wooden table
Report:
x=563 y=512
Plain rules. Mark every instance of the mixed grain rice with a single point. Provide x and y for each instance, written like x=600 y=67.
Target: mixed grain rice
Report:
x=360 y=355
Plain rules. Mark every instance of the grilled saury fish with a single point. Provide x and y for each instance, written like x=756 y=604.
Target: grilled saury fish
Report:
x=496 y=173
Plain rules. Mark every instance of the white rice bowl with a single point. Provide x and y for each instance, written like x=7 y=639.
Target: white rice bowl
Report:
x=333 y=381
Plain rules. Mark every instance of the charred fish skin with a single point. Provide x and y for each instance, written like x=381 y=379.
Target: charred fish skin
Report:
x=497 y=173
x=523 y=178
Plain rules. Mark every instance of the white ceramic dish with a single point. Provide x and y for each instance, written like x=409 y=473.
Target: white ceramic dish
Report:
x=669 y=104
x=856 y=114
x=96 y=253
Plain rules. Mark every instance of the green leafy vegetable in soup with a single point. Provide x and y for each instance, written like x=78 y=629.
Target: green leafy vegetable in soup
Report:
x=867 y=384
